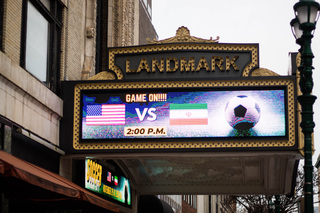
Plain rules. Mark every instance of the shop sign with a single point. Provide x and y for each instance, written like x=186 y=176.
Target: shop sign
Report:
x=107 y=182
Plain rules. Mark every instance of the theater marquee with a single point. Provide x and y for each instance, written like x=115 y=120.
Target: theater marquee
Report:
x=185 y=114
x=183 y=61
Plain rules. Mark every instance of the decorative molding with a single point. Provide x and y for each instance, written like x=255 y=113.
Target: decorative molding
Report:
x=183 y=35
x=263 y=72
x=104 y=75
x=298 y=59
x=300 y=135
x=123 y=23
x=90 y=41
x=116 y=20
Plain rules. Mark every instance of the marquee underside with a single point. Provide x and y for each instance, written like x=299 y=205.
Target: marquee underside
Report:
x=210 y=173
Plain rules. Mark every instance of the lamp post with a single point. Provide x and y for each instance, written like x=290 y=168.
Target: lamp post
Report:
x=277 y=203
x=271 y=206
x=303 y=26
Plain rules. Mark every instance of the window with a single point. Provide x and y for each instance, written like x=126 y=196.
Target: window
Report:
x=36 y=43
x=147 y=7
x=194 y=204
x=40 y=41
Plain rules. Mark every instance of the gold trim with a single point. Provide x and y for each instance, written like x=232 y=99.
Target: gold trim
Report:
x=112 y=145
x=263 y=72
x=183 y=35
x=185 y=46
x=300 y=134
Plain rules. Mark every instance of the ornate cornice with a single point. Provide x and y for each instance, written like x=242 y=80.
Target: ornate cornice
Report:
x=183 y=35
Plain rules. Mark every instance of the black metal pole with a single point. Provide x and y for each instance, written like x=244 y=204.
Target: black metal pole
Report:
x=277 y=203
x=306 y=101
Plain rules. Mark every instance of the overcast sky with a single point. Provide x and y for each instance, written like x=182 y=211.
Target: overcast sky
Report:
x=245 y=21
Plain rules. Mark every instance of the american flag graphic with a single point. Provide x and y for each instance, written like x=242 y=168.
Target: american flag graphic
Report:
x=105 y=114
x=109 y=176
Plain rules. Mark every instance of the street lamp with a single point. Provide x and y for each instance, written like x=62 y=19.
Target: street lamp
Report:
x=272 y=206
x=277 y=203
x=307 y=14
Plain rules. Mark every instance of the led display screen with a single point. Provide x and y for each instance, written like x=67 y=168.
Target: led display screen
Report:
x=125 y=114
x=107 y=182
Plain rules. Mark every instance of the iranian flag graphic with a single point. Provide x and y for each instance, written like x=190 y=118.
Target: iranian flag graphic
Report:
x=116 y=180
x=188 y=114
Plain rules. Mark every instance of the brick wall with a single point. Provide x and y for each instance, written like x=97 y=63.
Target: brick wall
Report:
x=12 y=29
x=75 y=39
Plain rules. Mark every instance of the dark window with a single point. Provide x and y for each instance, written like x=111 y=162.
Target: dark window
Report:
x=40 y=43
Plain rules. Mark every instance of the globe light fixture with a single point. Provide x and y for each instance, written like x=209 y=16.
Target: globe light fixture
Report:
x=295 y=28
x=307 y=11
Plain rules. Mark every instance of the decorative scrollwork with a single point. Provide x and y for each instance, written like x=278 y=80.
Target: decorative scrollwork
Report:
x=183 y=35
x=263 y=72
x=105 y=75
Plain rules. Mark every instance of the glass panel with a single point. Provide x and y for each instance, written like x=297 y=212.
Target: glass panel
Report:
x=302 y=14
x=46 y=3
x=37 y=43
x=297 y=30
x=313 y=14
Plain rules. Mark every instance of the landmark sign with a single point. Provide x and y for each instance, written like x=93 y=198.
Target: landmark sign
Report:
x=187 y=61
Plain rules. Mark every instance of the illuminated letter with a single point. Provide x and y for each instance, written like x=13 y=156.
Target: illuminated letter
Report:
x=88 y=169
x=133 y=98
x=128 y=70
x=202 y=64
x=188 y=66
x=94 y=172
x=176 y=64
x=99 y=174
x=143 y=115
x=151 y=97
x=155 y=64
x=152 y=116
x=219 y=64
x=143 y=65
x=232 y=62
x=128 y=98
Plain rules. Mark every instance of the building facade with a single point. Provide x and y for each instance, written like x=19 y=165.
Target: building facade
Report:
x=198 y=203
x=46 y=42
x=42 y=43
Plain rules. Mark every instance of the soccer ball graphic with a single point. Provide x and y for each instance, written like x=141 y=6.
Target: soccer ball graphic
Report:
x=242 y=112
